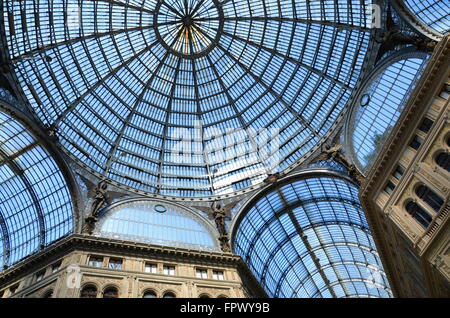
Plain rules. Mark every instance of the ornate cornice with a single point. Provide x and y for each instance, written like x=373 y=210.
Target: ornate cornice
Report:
x=104 y=245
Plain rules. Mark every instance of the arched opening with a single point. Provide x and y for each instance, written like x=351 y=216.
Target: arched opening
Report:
x=149 y=294
x=169 y=295
x=443 y=161
x=419 y=214
x=48 y=294
x=111 y=292
x=429 y=197
x=89 y=291
x=204 y=296
x=36 y=207
x=372 y=121
x=152 y=222
x=316 y=215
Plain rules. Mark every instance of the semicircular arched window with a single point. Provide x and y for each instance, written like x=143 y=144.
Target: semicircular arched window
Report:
x=111 y=292
x=149 y=294
x=443 y=161
x=150 y=222
x=169 y=295
x=88 y=292
x=419 y=214
x=429 y=197
x=372 y=121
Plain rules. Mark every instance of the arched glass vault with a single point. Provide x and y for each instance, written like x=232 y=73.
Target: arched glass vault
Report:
x=196 y=99
x=36 y=206
x=308 y=237
x=379 y=104
x=433 y=13
x=157 y=223
x=188 y=98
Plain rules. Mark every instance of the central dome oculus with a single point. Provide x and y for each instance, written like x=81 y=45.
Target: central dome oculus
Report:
x=188 y=29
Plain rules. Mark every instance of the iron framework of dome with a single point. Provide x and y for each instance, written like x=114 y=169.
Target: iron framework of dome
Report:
x=157 y=223
x=201 y=100
x=193 y=98
x=36 y=201
x=308 y=237
x=379 y=104
x=433 y=13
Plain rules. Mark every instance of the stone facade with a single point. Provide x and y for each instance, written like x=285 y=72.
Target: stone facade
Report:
x=65 y=269
x=416 y=256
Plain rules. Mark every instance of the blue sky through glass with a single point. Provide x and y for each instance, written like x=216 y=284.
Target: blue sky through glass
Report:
x=123 y=101
x=435 y=13
x=141 y=222
x=35 y=202
x=387 y=95
x=335 y=231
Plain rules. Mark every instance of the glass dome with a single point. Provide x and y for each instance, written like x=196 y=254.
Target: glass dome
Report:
x=35 y=201
x=380 y=104
x=156 y=223
x=310 y=239
x=188 y=98
x=434 y=13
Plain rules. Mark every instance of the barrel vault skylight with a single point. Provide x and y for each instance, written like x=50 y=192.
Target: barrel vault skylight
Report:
x=187 y=98
x=156 y=223
x=36 y=207
x=434 y=13
x=310 y=239
x=380 y=104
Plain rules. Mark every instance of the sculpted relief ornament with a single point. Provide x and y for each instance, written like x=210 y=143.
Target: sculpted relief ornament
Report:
x=334 y=152
x=219 y=212
x=101 y=196
x=99 y=200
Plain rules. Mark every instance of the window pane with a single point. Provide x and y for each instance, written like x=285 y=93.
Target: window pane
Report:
x=443 y=160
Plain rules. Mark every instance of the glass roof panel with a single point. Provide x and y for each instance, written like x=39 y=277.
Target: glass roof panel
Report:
x=310 y=238
x=381 y=105
x=188 y=98
x=434 y=13
x=156 y=223
x=35 y=201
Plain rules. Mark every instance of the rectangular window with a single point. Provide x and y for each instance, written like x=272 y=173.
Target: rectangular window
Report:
x=426 y=125
x=151 y=268
x=218 y=275
x=399 y=172
x=40 y=276
x=13 y=288
x=201 y=273
x=56 y=267
x=115 y=264
x=416 y=142
x=389 y=187
x=95 y=261
x=445 y=92
x=169 y=270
